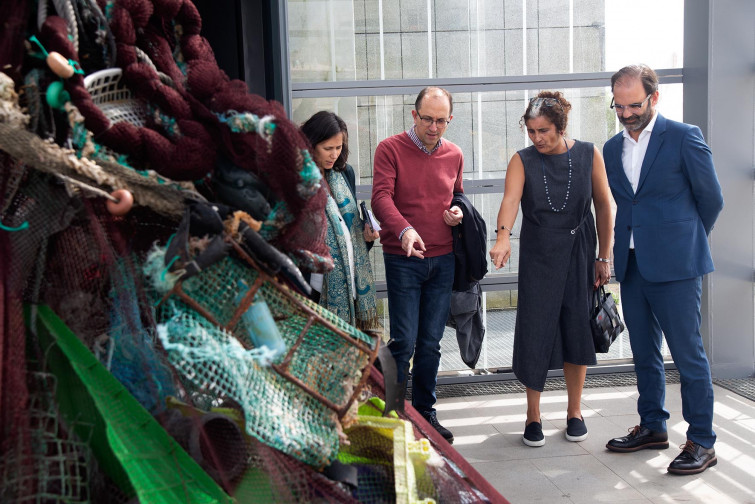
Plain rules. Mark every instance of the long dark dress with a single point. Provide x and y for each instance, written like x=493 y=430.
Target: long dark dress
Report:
x=556 y=265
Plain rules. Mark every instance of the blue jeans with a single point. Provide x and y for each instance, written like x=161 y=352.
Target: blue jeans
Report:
x=419 y=297
x=674 y=308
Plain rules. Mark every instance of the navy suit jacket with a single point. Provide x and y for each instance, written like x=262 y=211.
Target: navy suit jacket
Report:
x=677 y=202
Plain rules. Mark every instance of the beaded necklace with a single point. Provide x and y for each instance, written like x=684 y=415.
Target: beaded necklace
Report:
x=568 y=184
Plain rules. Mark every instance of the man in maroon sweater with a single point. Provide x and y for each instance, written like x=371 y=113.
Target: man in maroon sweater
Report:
x=415 y=176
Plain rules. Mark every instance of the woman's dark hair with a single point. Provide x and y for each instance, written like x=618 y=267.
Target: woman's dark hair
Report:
x=551 y=105
x=323 y=126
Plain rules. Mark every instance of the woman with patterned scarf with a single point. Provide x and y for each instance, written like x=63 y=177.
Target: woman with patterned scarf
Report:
x=348 y=289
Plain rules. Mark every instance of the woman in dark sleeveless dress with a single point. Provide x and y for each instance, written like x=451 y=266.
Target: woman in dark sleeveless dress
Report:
x=556 y=180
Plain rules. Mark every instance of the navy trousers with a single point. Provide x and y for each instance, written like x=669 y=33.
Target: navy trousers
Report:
x=674 y=309
x=419 y=298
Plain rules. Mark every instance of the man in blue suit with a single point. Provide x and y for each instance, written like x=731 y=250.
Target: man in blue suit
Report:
x=668 y=198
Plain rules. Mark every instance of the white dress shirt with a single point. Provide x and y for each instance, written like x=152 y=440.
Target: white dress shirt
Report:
x=632 y=155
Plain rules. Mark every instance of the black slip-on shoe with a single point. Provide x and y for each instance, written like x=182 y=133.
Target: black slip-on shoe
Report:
x=576 y=430
x=533 y=434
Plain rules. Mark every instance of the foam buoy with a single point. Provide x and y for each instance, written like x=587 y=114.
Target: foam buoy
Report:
x=124 y=203
x=56 y=95
x=59 y=65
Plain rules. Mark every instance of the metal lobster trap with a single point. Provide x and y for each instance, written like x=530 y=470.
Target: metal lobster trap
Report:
x=294 y=368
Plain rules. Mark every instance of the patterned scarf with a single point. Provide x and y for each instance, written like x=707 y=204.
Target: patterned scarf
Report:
x=336 y=289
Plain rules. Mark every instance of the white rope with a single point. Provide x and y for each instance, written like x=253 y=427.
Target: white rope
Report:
x=262 y=127
x=92 y=189
x=46 y=156
x=64 y=9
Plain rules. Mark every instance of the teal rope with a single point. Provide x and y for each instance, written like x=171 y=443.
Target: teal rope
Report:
x=23 y=226
x=167 y=246
x=74 y=64
x=167 y=268
x=34 y=39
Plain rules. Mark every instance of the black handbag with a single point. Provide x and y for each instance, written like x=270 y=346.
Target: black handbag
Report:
x=605 y=321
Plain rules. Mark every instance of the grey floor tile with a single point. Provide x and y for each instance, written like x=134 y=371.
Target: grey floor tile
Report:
x=599 y=431
x=489 y=429
x=630 y=501
x=631 y=389
x=691 y=492
x=521 y=483
x=585 y=479
x=494 y=448
x=731 y=406
x=609 y=402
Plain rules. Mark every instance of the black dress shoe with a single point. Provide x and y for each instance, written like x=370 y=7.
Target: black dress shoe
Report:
x=639 y=438
x=693 y=459
x=432 y=419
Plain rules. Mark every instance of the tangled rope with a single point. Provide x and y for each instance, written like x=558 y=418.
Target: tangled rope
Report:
x=50 y=158
x=189 y=156
x=188 y=94
x=281 y=159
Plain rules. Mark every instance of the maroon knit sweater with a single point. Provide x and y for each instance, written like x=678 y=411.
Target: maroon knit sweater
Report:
x=411 y=188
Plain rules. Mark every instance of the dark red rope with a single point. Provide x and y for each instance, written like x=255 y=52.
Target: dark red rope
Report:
x=201 y=91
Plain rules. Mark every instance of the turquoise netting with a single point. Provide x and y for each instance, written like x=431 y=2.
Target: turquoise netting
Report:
x=292 y=403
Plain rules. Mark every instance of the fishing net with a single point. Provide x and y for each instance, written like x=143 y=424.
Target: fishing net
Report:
x=390 y=462
x=119 y=387
x=61 y=461
x=207 y=326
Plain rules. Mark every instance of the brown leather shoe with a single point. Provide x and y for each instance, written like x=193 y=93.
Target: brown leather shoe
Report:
x=693 y=459
x=639 y=438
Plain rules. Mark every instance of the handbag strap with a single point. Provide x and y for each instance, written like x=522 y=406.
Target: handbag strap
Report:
x=597 y=297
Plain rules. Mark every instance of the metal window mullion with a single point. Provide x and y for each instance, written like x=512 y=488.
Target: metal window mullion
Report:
x=382 y=40
x=466 y=84
x=571 y=36
x=524 y=37
x=429 y=40
x=332 y=30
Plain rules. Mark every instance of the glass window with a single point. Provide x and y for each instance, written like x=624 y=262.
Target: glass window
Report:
x=347 y=40
x=485 y=124
x=489 y=47
x=498 y=345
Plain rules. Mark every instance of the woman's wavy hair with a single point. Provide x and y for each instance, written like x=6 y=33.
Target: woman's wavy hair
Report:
x=324 y=125
x=543 y=106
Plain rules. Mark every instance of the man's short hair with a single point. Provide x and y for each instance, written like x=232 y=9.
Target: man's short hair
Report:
x=641 y=72
x=429 y=89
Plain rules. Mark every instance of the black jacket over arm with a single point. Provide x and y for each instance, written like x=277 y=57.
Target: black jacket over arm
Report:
x=470 y=245
x=470 y=253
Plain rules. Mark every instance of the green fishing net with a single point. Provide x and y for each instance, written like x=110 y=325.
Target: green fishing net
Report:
x=294 y=400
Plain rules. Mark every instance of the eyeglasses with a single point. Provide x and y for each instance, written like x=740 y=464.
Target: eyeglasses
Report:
x=635 y=107
x=428 y=121
x=548 y=102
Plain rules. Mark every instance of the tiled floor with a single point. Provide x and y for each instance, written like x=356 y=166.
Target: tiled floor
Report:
x=488 y=432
